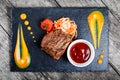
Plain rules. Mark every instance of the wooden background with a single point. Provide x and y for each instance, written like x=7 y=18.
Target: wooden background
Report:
x=114 y=40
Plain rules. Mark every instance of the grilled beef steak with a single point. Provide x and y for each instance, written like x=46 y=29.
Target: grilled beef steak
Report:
x=55 y=43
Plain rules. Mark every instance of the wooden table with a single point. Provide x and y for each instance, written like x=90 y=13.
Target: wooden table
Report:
x=114 y=40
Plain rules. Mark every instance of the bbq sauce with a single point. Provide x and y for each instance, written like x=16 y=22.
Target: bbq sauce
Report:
x=80 y=52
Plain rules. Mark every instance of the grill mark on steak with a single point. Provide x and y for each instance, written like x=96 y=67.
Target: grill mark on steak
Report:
x=55 y=43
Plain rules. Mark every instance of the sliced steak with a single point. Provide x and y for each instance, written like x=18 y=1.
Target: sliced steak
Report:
x=55 y=43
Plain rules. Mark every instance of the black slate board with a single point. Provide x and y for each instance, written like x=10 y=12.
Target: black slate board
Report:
x=40 y=61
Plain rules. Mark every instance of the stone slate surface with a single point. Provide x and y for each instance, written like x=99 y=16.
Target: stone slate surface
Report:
x=40 y=61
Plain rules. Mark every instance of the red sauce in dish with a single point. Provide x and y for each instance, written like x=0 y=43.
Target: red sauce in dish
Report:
x=80 y=52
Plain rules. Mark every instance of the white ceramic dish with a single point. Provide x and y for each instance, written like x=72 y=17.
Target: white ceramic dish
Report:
x=91 y=56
